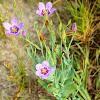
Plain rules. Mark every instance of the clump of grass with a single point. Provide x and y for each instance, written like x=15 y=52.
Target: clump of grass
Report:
x=83 y=13
x=17 y=74
x=86 y=61
x=90 y=70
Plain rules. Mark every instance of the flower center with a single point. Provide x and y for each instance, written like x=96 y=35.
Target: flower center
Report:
x=44 y=11
x=44 y=71
x=14 y=29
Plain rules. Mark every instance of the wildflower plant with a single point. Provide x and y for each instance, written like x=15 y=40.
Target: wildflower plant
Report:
x=56 y=64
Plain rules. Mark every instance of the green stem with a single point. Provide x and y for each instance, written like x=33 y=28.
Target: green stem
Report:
x=71 y=40
x=52 y=44
x=20 y=18
x=40 y=43
x=61 y=55
x=42 y=27
x=49 y=29
x=31 y=43
x=49 y=53
x=83 y=92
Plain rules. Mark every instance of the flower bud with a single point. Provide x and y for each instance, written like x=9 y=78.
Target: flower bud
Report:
x=47 y=23
x=74 y=27
x=14 y=4
x=64 y=35
x=21 y=9
x=41 y=37
x=24 y=34
x=60 y=26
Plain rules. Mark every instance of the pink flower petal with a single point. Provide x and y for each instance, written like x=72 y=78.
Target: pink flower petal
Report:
x=7 y=32
x=14 y=21
x=38 y=12
x=48 y=5
x=21 y=25
x=39 y=66
x=45 y=64
x=52 y=10
x=17 y=34
x=46 y=76
x=6 y=25
x=41 y=6
x=51 y=69
x=38 y=73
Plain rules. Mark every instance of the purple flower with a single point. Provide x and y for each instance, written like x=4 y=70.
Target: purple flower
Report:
x=24 y=34
x=74 y=27
x=13 y=28
x=44 y=70
x=42 y=9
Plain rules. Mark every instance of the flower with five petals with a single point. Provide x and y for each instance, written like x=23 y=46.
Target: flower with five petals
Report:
x=45 y=9
x=13 y=28
x=44 y=70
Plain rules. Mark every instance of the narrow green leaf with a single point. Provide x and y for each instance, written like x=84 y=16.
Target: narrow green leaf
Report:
x=70 y=74
x=50 y=89
x=58 y=16
x=58 y=52
x=80 y=49
x=69 y=22
x=29 y=53
x=97 y=97
x=68 y=89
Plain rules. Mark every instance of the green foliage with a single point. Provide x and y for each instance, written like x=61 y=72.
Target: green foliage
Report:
x=61 y=90
x=97 y=60
x=61 y=80
x=97 y=97
x=84 y=16
x=4 y=95
x=29 y=53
